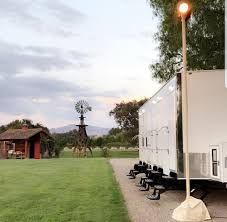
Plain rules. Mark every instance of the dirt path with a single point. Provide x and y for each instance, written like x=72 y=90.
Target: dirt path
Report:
x=143 y=210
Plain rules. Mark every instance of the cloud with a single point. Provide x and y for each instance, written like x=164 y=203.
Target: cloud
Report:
x=36 y=117
x=53 y=98
x=18 y=10
x=16 y=59
x=33 y=14
x=37 y=86
x=63 y=12
x=40 y=100
x=51 y=101
x=33 y=96
x=139 y=35
x=79 y=55
x=113 y=94
x=148 y=34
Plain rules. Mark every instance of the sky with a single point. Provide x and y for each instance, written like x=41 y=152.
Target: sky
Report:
x=54 y=53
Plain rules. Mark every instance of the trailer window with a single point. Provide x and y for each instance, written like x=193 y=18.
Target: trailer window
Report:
x=214 y=154
x=214 y=162
x=142 y=141
x=146 y=142
x=215 y=169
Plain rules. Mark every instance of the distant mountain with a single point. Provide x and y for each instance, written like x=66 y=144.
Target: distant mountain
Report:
x=91 y=130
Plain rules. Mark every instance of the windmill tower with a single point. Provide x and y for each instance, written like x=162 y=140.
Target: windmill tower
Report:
x=82 y=138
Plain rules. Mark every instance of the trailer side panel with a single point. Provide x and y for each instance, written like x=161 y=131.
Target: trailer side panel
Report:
x=207 y=108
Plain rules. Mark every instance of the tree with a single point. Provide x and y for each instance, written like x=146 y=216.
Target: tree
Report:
x=126 y=116
x=99 y=142
x=64 y=140
x=17 y=124
x=48 y=145
x=115 y=131
x=205 y=37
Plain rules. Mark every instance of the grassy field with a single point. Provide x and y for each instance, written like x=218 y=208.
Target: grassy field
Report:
x=113 y=154
x=60 y=190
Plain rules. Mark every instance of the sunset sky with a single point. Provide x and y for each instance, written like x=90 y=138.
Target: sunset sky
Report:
x=54 y=53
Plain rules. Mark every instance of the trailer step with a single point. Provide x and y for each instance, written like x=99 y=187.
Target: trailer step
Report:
x=141 y=183
x=158 y=189
x=153 y=196
x=143 y=178
x=132 y=177
x=199 y=193
x=149 y=181
x=145 y=188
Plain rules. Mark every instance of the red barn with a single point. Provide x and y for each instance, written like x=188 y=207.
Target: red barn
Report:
x=21 y=143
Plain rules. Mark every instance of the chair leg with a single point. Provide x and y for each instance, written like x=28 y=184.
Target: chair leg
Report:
x=154 y=196
x=139 y=184
x=143 y=184
x=146 y=187
x=130 y=173
x=133 y=176
x=141 y=181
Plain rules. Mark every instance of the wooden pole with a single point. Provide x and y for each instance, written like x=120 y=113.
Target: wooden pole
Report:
x=26 y=149
x=4 y=149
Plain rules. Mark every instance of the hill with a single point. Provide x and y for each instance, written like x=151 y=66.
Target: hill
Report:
x=91 y=130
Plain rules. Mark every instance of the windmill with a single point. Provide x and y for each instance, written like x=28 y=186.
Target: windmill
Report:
x=82 y=138
x=82 y=107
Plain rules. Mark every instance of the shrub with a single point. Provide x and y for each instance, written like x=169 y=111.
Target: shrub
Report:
x=105 y=152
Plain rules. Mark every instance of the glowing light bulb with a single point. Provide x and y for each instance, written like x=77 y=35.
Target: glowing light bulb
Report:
x=183 y=8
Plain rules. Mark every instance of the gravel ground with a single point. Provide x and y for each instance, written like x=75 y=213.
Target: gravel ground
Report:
x=143 y=210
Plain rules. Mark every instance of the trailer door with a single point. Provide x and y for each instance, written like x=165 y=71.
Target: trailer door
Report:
x=224 y=162
x=215 y=161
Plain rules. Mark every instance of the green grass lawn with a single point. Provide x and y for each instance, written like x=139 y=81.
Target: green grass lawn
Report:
x=113 y=154
x=60 y=190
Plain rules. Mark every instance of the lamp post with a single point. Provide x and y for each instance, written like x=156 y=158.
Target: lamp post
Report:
x=191 y=209
x=184 y=10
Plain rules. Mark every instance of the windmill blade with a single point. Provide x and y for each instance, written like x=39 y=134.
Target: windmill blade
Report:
x=82 y=107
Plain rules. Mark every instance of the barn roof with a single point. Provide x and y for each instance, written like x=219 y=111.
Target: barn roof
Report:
x=20 y=134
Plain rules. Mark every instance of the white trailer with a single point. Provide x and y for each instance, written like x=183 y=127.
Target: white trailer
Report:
x=160 y=127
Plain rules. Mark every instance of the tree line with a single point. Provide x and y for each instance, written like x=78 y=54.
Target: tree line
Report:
x=205 y=37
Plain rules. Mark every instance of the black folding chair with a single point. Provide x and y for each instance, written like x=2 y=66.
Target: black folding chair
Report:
x=141 y=169
x=135 y=168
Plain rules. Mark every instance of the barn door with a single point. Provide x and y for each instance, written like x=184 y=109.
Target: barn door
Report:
x=215 y=161
x=37 y=150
